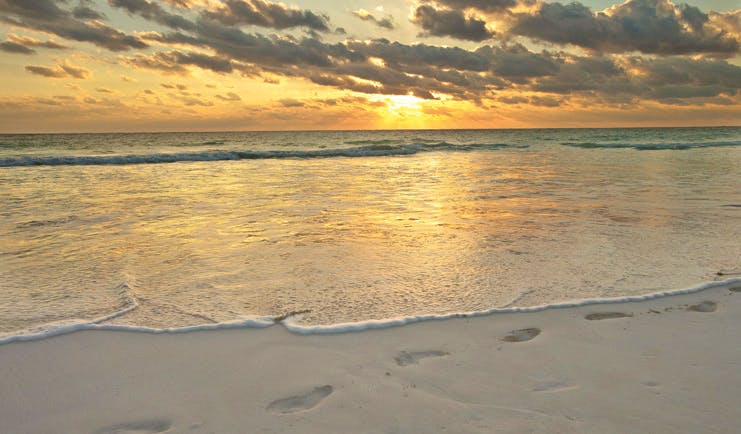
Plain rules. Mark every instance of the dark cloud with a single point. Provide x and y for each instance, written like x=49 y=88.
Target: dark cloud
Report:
x=180 y=3
x=266 y=14
x=22 y=44
x=46 y=16
x=231 y=96
x=386 y=22
x=61 y=70
x=682 y=78
x=481 y=5
x=175 y=62
x=214 y=41
x=544 y=101
x=192 y=100
x=449 y=22
x=391 y=68
x=153 y=12
x=517 y=64
x=180 y=87
x=396 y=53
x=84 y=11
x=290 y=102
x=12 y=47
x=648 y=26
x=630 y=78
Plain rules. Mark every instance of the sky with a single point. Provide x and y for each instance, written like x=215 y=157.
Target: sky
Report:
x=218 y=65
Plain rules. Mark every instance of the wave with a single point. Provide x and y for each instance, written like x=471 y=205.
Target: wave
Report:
x=290 y=320
x=376 y=150
x=652 y=146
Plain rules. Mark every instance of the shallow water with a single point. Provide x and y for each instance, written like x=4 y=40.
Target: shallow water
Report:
x=355 y=226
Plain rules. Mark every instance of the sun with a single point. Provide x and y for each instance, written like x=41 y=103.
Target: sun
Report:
x=404 y=105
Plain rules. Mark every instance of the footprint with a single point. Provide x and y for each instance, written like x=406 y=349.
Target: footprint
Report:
x=607 y=315
x=303 y=402
x=406 y=358
x=522 y=335
x=705 y=306
x=736 y=289
x=152 y=426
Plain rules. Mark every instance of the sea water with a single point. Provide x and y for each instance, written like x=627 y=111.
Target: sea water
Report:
x=188 y=230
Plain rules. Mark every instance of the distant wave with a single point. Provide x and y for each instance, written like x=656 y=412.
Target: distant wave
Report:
x=376 y=150
x=652 y=146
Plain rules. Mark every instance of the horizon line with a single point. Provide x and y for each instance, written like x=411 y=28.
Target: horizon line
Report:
x=365 y=130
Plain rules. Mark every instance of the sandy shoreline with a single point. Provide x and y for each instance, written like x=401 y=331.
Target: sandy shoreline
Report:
x=665 y=365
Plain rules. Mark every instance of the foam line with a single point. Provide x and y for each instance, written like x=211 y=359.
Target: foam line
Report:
x=50 y=330
x=290 y=323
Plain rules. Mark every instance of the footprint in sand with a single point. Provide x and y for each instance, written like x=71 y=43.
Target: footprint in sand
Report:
x=152 y=426
x=705 y=306
x=406 y=358
x=607 y=315
x=302 y=402
x=522 y=335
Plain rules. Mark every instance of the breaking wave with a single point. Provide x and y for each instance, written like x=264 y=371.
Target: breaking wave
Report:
x=678 y=146
x=375 y=150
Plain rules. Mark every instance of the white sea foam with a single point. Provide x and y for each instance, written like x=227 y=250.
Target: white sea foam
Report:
x=293 y=325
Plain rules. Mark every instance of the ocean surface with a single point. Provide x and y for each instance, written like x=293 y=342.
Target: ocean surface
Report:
x=188 y=230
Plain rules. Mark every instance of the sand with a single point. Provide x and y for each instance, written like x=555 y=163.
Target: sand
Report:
x=669 y=365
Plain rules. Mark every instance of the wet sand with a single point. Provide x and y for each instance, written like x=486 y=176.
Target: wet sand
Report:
x=662 y=366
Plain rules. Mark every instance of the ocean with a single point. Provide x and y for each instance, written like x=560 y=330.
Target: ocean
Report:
x=181 y=231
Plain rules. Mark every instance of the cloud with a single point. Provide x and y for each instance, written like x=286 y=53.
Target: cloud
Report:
x=84 y=12
x=453 y=23
x=181 y=3
x=611 y=72
x=61 y=70
x=192 y=100
x=180 y=87
x=290 y=102
x=392 y=68
x=231 y=96
x=23 y=44
x=266 y=14
x=481 y=5
x=46 y=16
x=386 y=22
x=154 y=12
x=648 y=26
x=175 y=62
x=517 y=64
x=12 y=47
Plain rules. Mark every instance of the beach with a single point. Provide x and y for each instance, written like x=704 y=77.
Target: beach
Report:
x=664 y=365
x=428 y=216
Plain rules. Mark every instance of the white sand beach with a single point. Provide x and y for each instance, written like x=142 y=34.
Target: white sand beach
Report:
x=667 y=365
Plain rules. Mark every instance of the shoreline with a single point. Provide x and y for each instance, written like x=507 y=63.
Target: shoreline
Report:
x=289 y=320
x=666 y=364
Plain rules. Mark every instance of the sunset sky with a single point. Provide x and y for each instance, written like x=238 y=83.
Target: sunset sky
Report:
x=203 y=65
